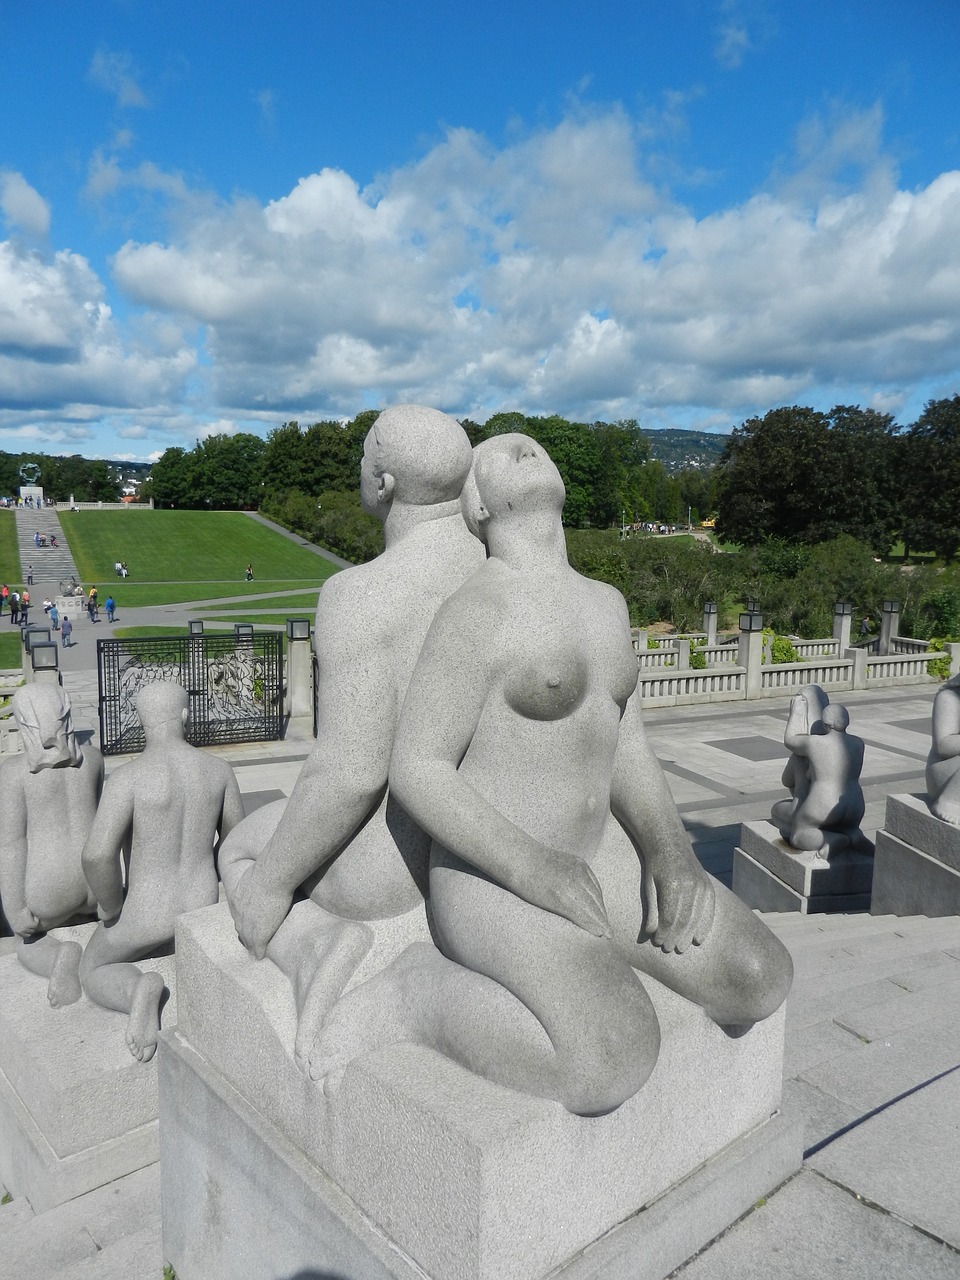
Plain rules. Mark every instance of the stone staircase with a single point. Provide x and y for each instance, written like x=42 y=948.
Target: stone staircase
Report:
x=872 y=1057
x=50 y=564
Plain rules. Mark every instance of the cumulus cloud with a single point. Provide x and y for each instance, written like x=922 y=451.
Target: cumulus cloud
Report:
x=60 y=347
x=553 y=274
x=115 y=73
x=22 y=206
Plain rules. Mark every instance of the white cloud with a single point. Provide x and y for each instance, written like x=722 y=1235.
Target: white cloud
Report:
x=22 y=206
x=114 y=72
x=733 y=41
x=552 y=274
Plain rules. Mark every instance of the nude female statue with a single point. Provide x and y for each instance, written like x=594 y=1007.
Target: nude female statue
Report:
x=943 y=762
x=50 y=795
x=158 y=823
x=521 y=751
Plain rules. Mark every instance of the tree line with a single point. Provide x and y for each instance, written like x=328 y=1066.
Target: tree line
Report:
x=808 y=477
x=307 y=477
x=87 y=479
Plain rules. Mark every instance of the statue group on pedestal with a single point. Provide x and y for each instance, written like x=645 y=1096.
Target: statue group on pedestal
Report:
x=133 y=853
x=480 y=760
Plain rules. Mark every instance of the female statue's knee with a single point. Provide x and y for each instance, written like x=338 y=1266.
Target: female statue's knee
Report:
x=763 y=978
x=616 y=1067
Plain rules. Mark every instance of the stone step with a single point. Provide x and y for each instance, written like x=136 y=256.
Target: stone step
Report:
x=886 y=979
x=934 y=933
x=121 y=1219
x=19 y=1209
x=137 y=1257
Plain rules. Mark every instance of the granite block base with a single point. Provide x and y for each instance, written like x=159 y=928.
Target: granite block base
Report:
x=769 y=875
x=76 y=1109
x=917 y=863
x=416 y=1167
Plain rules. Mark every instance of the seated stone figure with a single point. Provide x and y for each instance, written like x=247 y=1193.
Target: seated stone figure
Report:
x=943 y=762
x=826 y=806
x=559 y=869
x=342 y=845
x=158 y=818
x=50 y=795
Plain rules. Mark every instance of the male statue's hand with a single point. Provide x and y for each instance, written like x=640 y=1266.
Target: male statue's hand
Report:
x=259 y=909
x=566 y=886
x=680 y=900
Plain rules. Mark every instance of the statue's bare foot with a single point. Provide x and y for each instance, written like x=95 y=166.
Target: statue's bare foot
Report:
x=947 y=809
x=385 y=1010
x=64 y=985
x=143 y=1025
x=330 y=960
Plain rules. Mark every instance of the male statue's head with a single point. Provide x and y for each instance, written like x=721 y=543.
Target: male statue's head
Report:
x=42 y=713
x=511 y=473
x=162 y=706
x=413 y=455
x=836 y=717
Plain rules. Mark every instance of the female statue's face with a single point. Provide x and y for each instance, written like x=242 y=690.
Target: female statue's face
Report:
x=513 y=472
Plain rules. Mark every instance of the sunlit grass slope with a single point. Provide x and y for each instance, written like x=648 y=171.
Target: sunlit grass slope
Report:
x=188 y=546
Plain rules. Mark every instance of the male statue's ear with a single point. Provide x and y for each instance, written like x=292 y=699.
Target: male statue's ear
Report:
x=385 y=487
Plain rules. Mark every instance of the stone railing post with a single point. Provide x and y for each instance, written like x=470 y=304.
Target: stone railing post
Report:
x=859 y=672
x=750 y=652
x=299 y=700
x=683 y=655
x=954 y=651
x=889 y=626
x=842 y=617
x=710 y=621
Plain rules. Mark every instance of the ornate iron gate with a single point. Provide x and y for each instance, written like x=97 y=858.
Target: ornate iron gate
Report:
x=235 y=686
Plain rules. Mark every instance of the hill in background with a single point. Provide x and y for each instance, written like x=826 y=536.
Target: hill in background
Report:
x=685 y=450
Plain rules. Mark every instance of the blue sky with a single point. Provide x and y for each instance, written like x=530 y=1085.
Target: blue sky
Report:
x=216 y=217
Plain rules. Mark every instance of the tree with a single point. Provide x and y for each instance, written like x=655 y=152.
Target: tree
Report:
x=929 y=477
x=171 y=480
x=800 y=474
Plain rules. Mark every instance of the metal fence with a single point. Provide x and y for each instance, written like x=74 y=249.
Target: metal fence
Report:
x=235 y=686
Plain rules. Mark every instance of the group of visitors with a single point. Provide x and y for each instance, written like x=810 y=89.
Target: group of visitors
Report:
x=121 y=568
x=40 y=540
x=19 y=602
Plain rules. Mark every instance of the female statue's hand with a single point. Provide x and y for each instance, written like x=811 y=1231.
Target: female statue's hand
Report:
x=24 y=923
x=680 y=901
x=566 y=886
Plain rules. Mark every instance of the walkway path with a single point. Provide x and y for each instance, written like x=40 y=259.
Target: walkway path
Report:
x=50 y=564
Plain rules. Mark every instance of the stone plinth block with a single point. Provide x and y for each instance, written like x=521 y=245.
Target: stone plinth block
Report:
x=769 y=875
x=417 y=1166
x=918 y=862
x=76 y=1109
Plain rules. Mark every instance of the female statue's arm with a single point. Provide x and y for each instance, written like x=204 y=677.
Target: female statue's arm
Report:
x=13 y=854
x=102 y=857
x=454 y=678
x=679 y=894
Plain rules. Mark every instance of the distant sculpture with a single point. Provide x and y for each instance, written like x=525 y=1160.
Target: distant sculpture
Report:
x=943 y=762
x=158 y=821
x=342 y=842
x=826 y=804
x=50 y=795
x=519 y=743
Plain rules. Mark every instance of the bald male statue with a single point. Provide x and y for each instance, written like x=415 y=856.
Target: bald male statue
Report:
x=50 y=795
x=342 y=845
x=159 y=818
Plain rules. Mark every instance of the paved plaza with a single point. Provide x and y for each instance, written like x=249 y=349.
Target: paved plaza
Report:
x=872 y=1042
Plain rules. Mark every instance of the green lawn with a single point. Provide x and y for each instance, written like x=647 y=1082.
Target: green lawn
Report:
x=261 y=619
x=299 y=603
x=136 y=595
x=9 y=553
x=186 y=546
x=11 y=649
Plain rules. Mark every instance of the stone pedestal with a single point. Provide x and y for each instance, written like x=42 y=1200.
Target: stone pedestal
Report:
x=769 y=875
x=76 y=1110
x=918 y=862
x=417 y=1167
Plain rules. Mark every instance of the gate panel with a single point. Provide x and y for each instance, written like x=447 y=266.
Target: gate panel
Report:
x=234 y=684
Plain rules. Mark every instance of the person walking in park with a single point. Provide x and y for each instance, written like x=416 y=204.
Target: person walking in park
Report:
x=24 y=607
x=92 y=604
x=54 y=617
x=4 y=597
x=110 y=605
x=249 y=573
x=66 y=631
x=29 y=575
x=14 y=608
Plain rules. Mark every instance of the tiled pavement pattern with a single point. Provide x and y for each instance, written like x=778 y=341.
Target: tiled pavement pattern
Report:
x=872 y=1047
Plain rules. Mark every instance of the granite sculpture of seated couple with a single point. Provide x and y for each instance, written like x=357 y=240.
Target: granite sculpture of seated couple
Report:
x=480 y=741
x=134 y=852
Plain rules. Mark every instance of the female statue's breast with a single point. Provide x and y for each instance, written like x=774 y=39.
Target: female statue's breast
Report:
x=548 y=687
